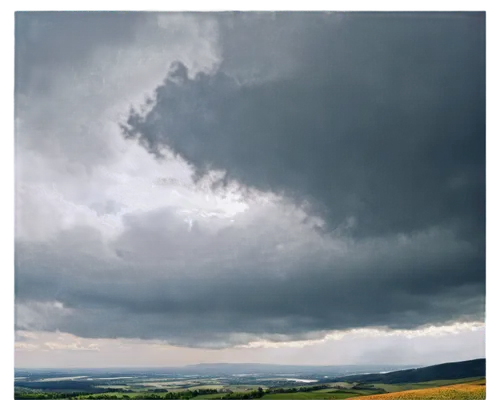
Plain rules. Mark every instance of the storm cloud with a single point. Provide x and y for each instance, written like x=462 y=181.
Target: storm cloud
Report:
x=382 y=120
x=288 y=175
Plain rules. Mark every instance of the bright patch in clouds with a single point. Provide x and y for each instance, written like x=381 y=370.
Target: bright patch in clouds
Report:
x=429 y=331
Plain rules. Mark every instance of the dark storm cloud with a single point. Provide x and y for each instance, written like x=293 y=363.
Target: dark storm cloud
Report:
x=197 y=288
x=378 y=117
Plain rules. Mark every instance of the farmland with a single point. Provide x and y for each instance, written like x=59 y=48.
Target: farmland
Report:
x=453 y=381
x=452 y=390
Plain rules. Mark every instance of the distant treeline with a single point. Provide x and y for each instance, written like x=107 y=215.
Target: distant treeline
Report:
x=184 y=395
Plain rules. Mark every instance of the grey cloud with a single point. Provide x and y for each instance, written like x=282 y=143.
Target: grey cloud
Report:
x=108 y=207
x=206 y=288
x=371 y=123
x=174 y=182
x=382 y=119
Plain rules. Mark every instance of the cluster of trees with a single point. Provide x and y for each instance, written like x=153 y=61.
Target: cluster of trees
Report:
x=366 y=386
x=298 y=389
x=184 y=395
x=156 y=395
x=254 y=394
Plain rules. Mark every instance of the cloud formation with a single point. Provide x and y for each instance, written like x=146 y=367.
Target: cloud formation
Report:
x=293 y=175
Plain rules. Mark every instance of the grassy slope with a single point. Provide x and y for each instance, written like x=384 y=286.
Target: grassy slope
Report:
x=465 y=391
x=310 y=395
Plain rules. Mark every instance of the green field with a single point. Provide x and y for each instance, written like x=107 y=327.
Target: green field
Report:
x=312 y=395
x=135 y=395
x=242 y=388
x=206 y=387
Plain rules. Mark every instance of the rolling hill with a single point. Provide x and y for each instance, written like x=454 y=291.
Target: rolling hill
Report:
x=454 y=370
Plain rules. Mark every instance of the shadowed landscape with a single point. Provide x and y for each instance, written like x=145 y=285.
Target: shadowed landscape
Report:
x=462 y=380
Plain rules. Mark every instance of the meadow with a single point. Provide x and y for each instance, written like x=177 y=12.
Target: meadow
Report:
x=466 y=391
x=340 y=394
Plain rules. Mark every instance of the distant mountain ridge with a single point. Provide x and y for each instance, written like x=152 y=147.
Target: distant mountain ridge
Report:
x=260 y=368
x=453 y=370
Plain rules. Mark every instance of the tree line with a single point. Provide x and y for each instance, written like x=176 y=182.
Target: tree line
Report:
x=183 y=395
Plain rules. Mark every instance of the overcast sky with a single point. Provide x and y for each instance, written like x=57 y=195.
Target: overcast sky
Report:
x=294 y=188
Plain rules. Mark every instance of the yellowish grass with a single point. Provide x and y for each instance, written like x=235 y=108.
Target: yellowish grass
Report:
x=464 y=391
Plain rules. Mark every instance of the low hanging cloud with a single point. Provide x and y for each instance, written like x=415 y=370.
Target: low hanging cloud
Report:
x=265 y=275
